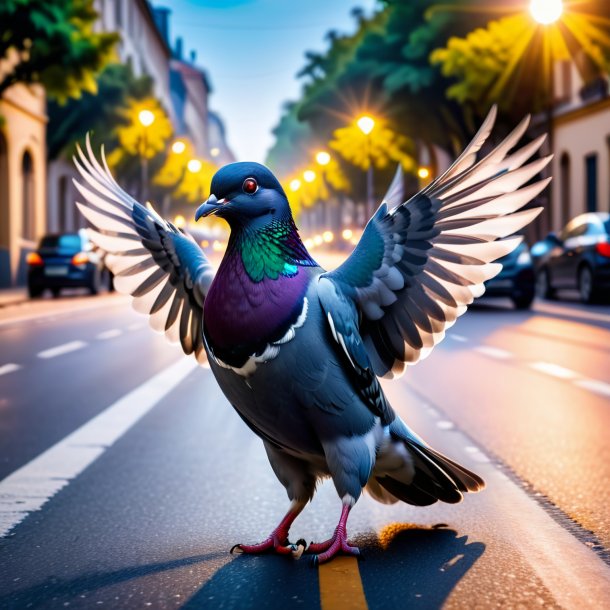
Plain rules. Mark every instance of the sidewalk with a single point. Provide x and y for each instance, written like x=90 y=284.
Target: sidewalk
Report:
x=12 y=296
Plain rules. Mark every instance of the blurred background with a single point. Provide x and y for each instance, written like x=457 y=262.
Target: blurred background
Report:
x=158 y=475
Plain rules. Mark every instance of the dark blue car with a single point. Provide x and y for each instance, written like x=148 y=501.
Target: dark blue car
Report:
x=63 y=261
x=578 y=257
x=516 y=280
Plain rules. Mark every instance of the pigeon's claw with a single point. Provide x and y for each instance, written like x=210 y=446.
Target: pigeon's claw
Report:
x=324 y=551
x=275 y=543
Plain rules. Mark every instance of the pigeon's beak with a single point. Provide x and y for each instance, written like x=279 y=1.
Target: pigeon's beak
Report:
x=211 y=206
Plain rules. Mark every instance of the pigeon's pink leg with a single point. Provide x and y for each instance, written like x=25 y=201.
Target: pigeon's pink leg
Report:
x=324 y=551
x=278 y=539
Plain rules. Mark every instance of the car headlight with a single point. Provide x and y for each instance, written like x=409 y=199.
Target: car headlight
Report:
x=524 y=258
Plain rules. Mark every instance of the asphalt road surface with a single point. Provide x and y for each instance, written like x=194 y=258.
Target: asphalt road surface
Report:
x=125 y=476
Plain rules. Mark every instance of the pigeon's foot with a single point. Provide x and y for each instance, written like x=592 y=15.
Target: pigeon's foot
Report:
x=324 y=551
x=278 y=541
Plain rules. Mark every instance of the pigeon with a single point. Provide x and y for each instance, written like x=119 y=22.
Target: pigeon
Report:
x=298 y=351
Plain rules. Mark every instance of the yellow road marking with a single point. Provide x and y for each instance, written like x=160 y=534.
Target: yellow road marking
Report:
x=340 y=585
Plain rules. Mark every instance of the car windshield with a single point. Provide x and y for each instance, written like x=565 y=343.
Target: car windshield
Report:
x=63 y=242
x=606 y=225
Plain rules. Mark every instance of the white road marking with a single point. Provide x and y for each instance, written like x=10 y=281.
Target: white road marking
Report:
x=445 y=424
x=476 y=453
x=599 y=387
x=136 y=326
x=459 y=338
x=554 y=370
x=9 y=368
x=493 y=352
x=61 y=349
x=29 y=488
x=110 y=334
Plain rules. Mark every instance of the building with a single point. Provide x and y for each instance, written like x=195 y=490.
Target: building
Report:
x=22 y=175
x=143 y=45
x=581 y=145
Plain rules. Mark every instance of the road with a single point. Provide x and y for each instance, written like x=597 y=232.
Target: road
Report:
x=126 y=477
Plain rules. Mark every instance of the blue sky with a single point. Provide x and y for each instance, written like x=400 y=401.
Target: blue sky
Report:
x=252 y=50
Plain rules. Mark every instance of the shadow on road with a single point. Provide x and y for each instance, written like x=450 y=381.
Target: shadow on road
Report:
x=406 y=566
x=413 y=566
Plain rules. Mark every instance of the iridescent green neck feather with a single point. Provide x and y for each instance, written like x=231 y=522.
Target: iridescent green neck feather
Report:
x=271 y=251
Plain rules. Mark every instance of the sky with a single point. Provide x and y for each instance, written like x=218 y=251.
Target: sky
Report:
x=252 y=51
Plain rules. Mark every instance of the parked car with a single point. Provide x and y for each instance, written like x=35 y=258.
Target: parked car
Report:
x=64 y=261
x=516 y=280
x=579 y=257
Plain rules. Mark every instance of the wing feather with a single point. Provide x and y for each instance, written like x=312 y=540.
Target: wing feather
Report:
x=162 y=268
x=443 y=243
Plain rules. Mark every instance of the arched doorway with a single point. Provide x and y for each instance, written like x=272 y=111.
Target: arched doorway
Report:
x=28 y=199
x=564 y=187
x=5 y=267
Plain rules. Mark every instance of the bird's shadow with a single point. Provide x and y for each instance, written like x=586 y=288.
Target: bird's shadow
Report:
x=405 y=566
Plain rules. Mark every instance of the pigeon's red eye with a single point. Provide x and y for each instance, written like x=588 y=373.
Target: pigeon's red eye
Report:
x=250 y=186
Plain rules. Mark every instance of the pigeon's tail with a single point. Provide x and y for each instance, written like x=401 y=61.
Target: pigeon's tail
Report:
x=411 y=471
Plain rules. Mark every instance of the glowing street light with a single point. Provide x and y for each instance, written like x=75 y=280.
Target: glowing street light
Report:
x=194 y=166
x=309 y=175
x=546 y=12
x=347 y=234
x=146 y=118
x=215 y=151
x=295 y=185
x=423 y=173
x=178 y=147
x=180 y=221
x=328 y=236
x=366 y=124
x=322 y=158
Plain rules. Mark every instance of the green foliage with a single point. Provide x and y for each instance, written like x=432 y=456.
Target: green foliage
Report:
x=99 y=113
x=53 y=44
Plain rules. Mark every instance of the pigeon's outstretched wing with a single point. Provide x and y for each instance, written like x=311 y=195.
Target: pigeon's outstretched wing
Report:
x=418 y=266
x=162 y=268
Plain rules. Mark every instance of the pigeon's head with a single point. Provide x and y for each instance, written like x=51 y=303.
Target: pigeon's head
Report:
x=245 y=194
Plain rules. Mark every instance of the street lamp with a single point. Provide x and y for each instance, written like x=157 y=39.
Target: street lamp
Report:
x=309 y=175
x=295 y=185
x=146 y=118
x=322 y=158
x=423 y=173
x=546 y=13
x=366 y=124
x=194 y=166
x=178 y=147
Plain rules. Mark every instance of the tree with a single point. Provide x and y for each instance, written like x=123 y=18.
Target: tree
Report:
x=508 y=61
x=98 y=113
x=53 y=44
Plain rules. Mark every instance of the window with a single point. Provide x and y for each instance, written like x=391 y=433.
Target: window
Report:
x=62 y=206
x=591 y=182
x=564 y=186
x=28 y=226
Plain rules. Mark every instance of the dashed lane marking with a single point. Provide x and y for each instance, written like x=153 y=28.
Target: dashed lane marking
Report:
x=493 y=352
x=554 y=370
x=459 y=338
x=26 y=490
x=340 y=585
x=61 y=349
x=599 y=387
x=9 y=368
x=109 y=334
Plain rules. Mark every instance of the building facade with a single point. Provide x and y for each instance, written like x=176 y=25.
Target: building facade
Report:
x=581 y=146
x=145 y=48
x=22 y=176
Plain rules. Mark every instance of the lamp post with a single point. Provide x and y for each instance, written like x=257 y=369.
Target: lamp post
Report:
x=366 y=124
x=146 y=118
x=323 y=159
x=546 y=13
